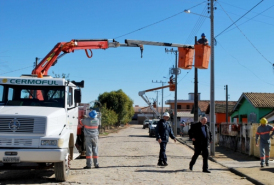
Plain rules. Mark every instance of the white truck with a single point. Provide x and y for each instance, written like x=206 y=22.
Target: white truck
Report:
x=38 y=122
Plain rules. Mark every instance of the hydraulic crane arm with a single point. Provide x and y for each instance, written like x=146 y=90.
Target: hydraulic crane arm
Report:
x=63 y=48
x=149 y=104
x=68 y=47
x=142 y=94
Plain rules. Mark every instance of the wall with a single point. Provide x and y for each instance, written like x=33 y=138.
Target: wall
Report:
x=241 y=140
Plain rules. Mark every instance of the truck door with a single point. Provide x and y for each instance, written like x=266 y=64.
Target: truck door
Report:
x=72 y=110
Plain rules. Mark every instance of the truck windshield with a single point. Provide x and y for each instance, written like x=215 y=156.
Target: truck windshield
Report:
x=41 y=96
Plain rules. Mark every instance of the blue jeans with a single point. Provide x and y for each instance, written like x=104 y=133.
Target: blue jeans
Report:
x=162 y=154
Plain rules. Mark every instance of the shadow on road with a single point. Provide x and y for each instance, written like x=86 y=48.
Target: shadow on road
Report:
x=164 y=171
x=141 y=166
x=268 y=169
x=138 y=135
x=26 y=177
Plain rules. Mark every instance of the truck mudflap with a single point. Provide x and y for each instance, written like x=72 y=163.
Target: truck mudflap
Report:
x=32 y=155
x=80 y=143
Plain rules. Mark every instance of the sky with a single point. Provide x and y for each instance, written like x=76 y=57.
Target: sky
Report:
x=243 y=54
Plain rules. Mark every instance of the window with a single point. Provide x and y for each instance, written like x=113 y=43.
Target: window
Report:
x=10 y=94
x=187 y=107
x=179 y=106
x=42 y=96
x=1 y=92
x=70 y=100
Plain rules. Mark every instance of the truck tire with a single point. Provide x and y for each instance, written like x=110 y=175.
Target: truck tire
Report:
x=61 y=169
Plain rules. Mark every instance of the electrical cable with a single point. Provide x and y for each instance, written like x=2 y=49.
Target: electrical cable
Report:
x=234 y=23
x=253 y=18
x=243 y=65
x=157 y=21
x=243 y=8
x=197 y=26
x=16 y=70
x=246 y=37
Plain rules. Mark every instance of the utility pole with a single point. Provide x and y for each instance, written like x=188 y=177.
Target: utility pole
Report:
x=212 y=88
x=157 y=100
x=226 y=103
x=175 y=71
x=196 y=92
x=162 y=96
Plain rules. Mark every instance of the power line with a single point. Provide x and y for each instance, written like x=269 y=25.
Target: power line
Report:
x=157 y=21
x=243 y=8
x=246 y=36
x=16 y=70
x=234 y=23
x=243 y=65
x=254 y=17
x=197 y=26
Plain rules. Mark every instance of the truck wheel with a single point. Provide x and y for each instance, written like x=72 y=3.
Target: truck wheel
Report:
x=61 y=169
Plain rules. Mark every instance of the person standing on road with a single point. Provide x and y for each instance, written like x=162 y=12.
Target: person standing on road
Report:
x=91 y=138
x=182 y=124
x=264 y=132
x=163 y=131
x=201 y=136
x=202 y=40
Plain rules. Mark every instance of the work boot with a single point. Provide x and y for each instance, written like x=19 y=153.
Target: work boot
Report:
x=190 y=167
x=86 y=167
x=160 y=163
x=262 y=165
x=206 y=171
x=97 y=166
x=266 y=164
x=165 y=164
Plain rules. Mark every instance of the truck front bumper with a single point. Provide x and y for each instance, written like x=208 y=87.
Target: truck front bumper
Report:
x=36 y=155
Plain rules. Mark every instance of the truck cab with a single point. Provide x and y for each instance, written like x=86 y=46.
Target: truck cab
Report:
x=38 y=122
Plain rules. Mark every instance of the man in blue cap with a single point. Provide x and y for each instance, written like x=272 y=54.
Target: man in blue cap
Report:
x=91 y=138
x=202 y=40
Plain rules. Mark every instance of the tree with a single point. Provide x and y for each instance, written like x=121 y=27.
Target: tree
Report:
x=109 y=117
x=120 y=103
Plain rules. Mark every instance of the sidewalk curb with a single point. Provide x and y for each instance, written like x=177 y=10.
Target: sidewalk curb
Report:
x=233 y=170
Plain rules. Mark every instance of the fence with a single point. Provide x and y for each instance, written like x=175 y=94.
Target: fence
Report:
x=241 y=138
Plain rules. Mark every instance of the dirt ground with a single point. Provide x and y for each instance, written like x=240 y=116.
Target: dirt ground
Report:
x=130 y=157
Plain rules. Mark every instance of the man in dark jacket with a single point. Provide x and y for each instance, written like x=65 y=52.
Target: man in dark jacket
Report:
x=201 y=136
x=163 y=131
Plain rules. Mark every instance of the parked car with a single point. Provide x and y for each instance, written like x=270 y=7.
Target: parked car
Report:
x=151 y=127
x=146 y=123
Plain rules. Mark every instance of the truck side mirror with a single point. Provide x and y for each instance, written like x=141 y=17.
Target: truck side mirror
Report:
x=77 y=95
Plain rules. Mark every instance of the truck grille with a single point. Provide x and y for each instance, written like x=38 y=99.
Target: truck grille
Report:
x=5 y=142
x=22 y=125
x=15 y=142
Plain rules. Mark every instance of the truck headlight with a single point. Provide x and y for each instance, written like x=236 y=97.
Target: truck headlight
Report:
x=49 y=142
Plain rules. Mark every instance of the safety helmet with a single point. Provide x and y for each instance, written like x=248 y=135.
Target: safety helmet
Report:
x=203 y=35
x=166 y=114
x=93 y=114
x=263 y=121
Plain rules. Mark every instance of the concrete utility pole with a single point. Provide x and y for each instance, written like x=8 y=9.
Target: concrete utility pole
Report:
x=212 y=88
x=162 y=96
x=196 y=92
x=226 y=103
x=175 y=71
